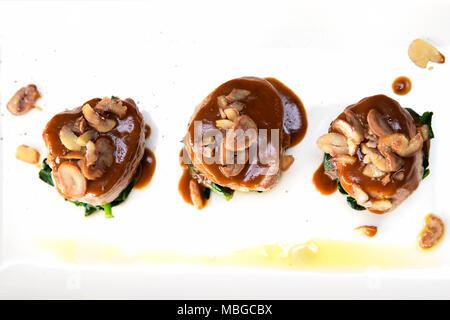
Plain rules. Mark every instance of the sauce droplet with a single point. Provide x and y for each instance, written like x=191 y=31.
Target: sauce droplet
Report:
x=401 y=86
x=323 y=183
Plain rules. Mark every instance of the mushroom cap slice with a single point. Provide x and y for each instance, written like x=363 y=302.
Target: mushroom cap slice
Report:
x=98 y=122
x=70 y=180
x=23 y=100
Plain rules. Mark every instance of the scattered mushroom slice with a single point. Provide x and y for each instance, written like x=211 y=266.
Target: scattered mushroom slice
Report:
x=86 y=137
x=237 y=94
x=107 y=105
x=68 y=138
x=224 y=124
x=71 y=179
x=420 y=52
x=377 y=124
x=286 y=162
x=333 y=143
x=245 y=130
x=95 y=120
x=370 y=170
x=27 y=154
x=432 y=232
x=368 y=231
x=381 y=205
x=99 y=157
x=23 y=100
x=196 y=194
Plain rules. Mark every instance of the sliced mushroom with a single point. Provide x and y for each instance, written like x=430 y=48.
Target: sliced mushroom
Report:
x=107 y=105
x=377 y=124
x=390 y=163
x=400 y=144
x=231 y=170
x=236 y=105
x=196 y=194
x=80 y=126
x=237 y=94
x=91 y=153
x=23 y=100
x=86 y=137
x=231 y=113
x=222 y=102
x=370 y=170
x=381 y=205
x=344 y=159
x=99 y=157
x=98 y=122
x=333 y=143
x=432 y=232
x=286 y=162
x=351 y=118
x=224 y=124
x=71 y=179
x=222 y=113
x=243 y=135
x=359 y=194
x=68 y=138
x=354 y=136
x=208 y=140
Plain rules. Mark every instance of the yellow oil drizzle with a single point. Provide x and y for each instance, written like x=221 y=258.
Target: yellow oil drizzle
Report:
x=319 y=254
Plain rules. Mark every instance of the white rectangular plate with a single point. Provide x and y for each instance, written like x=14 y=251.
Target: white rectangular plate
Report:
x=168 y=57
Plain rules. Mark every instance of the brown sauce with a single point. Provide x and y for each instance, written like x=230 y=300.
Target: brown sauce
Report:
x=127 y=137
x=323 y=183
x=401 y=86
x=183 y=186
x=148 y=131
x=147 y=169
x=295 y=119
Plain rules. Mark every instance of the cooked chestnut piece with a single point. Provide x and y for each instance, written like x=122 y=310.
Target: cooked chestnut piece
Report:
x=238 y=136
x=377 y=151
x=95 y=150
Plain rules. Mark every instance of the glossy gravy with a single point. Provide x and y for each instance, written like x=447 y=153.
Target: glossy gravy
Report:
x=323 y=183
x=147 y=169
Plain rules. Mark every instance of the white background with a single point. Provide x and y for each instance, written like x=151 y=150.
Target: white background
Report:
x=168 y=56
